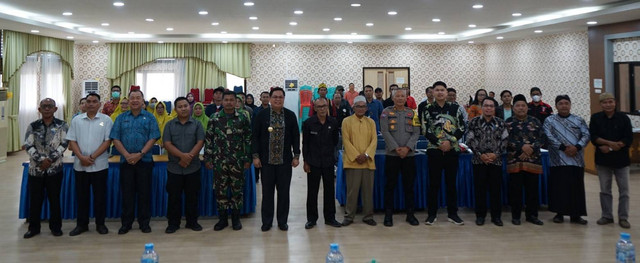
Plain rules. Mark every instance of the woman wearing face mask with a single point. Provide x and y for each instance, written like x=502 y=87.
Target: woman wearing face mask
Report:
x=122 y=107
x=474 y=109
x=162 y=118
x=152 y=105
x=111 y=105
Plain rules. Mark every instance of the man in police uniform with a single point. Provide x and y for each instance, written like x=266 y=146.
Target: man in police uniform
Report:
x=400 y=135
x=227 y=141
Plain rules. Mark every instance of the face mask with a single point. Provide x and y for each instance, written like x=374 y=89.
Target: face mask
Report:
x=536 y=98
x=115 y=94
x=153 y=105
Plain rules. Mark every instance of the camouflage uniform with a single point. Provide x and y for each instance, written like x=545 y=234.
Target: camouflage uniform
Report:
x=227 y=147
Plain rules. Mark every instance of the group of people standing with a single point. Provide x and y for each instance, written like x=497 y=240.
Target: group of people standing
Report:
x=234 y=136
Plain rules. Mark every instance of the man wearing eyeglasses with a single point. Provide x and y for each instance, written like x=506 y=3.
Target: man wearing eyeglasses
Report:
x=276 y=149
x=45 y=143
x=319 y=140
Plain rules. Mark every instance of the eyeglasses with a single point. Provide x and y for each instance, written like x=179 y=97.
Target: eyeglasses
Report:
x=47 y=106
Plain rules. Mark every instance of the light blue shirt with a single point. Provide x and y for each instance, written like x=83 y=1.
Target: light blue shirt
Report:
x=89 y=134
x=135 y=131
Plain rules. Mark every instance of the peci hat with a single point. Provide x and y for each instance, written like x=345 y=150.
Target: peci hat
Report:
x=606 y=96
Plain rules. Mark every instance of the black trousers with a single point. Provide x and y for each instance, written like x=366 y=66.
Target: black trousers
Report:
x=530 y=183
x=566 y=191
x=135 y=182
x=177 y=184
x=393 y=165
x=37 y=186
x=313 y=186
x=487 y=177
x=275 y=177
x=85 y=182
x=437 y=163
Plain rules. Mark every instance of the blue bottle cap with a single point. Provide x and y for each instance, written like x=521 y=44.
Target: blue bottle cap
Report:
x=334 y=246
x=625 y=236
x=148 y=246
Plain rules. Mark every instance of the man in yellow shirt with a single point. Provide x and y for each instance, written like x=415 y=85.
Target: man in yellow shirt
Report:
x=360 y=140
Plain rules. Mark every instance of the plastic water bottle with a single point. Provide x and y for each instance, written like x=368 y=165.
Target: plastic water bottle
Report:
x=334 y=255
x=149 y=255
x=625 y=251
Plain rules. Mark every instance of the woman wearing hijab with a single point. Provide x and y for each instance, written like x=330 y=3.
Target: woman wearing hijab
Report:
x=198 y=114
x=192 y=101
x=122 y=107
x=152 y=105
x=162 y=118
x=250 y=102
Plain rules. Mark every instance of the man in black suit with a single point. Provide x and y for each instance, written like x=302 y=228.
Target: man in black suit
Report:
x=276 y=149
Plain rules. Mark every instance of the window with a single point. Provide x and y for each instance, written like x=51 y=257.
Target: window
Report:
x=235 y=81
x=627 y=87
x=162 y=79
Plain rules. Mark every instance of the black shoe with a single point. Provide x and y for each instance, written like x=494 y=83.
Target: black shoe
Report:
x=78 y=230
x=497 y=221
x=222 y=222
x=310 y=225
x=624 y=223
x=558 y=219
x=193 y=226
x=431 y=220
x=283 y=227
x=347 y=222
x=370 y=222
x=266 y=228
x=388 y=220
x=455 y=219
x=604 y=221
x=578 y=220
x=333 y=223
x=56 y=233
x=31 y=234
x=123 y=230
x=171 y=229
x=479 y=221
x=534 y=220
x=412 y=220
x=145 y=229
x=235 y=220
x=102 y=229
x=515 y=221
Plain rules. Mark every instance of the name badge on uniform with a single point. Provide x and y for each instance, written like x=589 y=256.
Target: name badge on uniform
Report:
x=101 y=123
x=314 y=133
x=229 y=131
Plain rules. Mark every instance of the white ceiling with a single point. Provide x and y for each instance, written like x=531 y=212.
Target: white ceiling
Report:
x=274 y=16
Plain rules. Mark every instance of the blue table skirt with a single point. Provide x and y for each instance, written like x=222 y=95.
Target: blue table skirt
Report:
x=464 y=183
x=207 y=202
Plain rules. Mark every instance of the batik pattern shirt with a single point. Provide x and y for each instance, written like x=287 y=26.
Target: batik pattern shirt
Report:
x=46 y=142
x=562 y=131
x=487 y=137
x=276 y=138
x=521 y=132
x=444 y=123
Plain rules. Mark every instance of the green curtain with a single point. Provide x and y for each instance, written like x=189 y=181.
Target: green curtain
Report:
x=126 y=57
x=203 y=75
x=17 y=46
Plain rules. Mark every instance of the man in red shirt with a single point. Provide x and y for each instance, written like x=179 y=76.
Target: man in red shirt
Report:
x=411 y=102
x=111 y=105
x=537 y=108
x=351 y=94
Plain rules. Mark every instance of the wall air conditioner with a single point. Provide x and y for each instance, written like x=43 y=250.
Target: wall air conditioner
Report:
x=89 y=86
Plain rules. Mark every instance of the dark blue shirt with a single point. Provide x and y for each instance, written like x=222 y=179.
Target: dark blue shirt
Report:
x=374 y=110
x=135 y=131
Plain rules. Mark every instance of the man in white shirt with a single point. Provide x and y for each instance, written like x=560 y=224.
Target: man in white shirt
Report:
x=89 y=140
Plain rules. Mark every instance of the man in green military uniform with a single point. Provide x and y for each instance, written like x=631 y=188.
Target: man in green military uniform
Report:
x=227 y=150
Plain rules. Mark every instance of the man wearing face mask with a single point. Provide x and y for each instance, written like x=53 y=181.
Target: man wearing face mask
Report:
x=537 y=108
x=111 y=105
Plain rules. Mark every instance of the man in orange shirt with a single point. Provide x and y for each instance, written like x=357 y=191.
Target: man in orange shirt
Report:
x=351 y=94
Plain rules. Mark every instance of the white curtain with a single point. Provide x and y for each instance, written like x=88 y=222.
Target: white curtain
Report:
x=40 y=78
x=28 y=94
x=51 y=81
x=162 y=79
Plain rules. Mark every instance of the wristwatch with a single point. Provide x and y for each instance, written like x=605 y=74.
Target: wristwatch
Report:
x=367 y=155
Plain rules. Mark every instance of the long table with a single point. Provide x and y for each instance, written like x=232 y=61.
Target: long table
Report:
x=464 y=183
x=159 y=197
